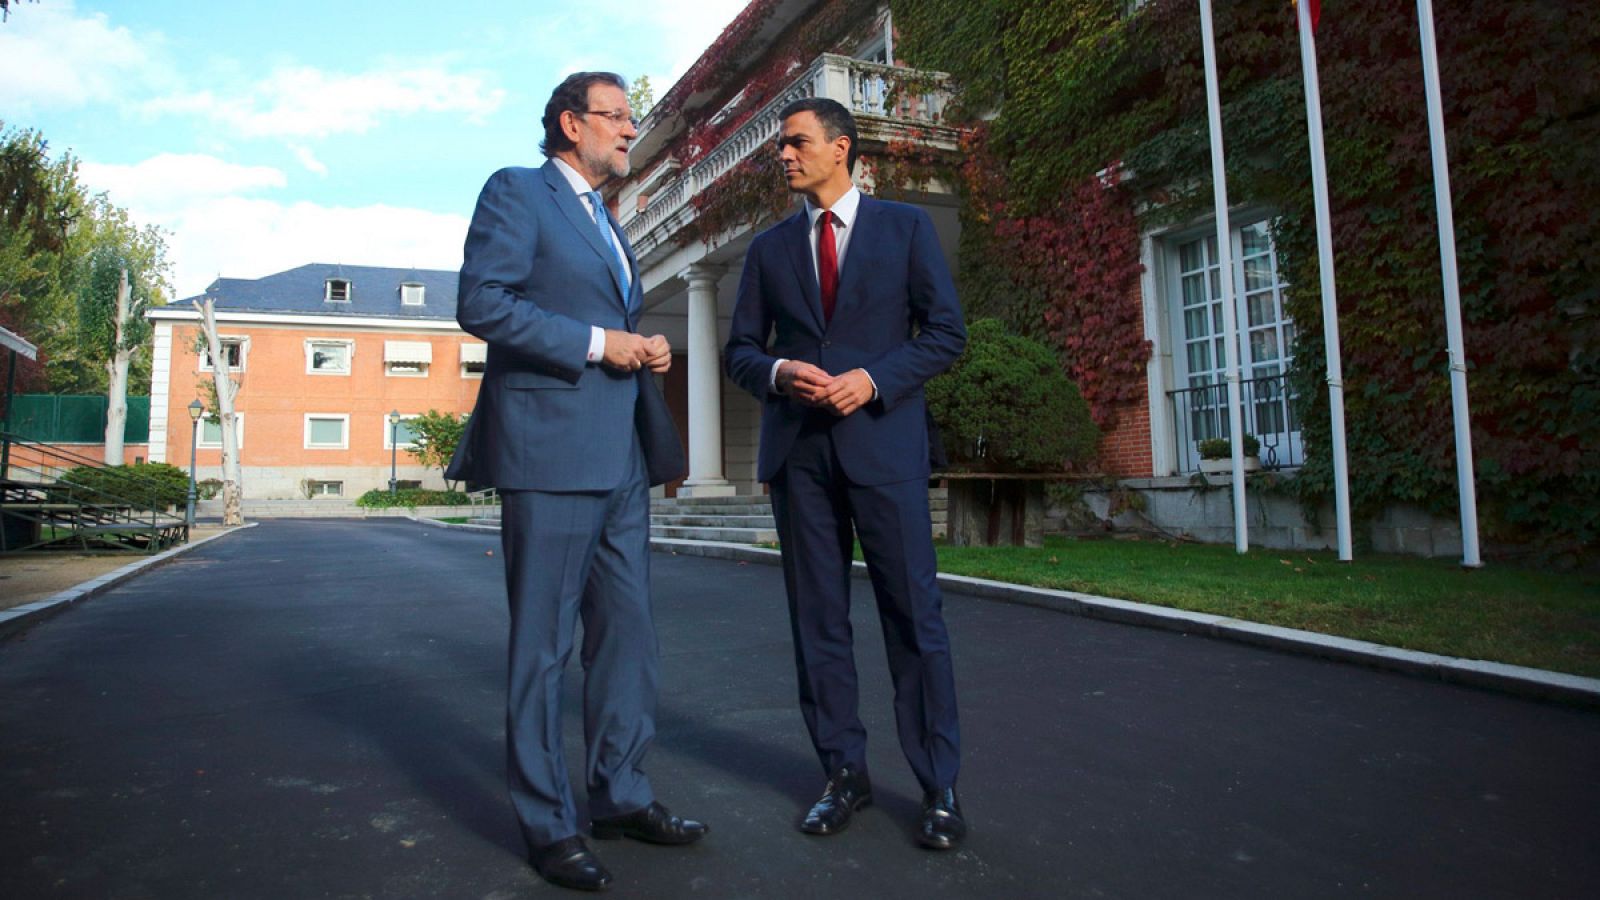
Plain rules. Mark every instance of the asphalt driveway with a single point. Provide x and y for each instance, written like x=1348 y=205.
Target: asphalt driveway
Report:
x=314 y=708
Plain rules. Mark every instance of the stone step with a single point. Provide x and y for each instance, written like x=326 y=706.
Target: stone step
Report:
x=734 y=500
x=727 y=535
x=718 y=521
x=722 y=509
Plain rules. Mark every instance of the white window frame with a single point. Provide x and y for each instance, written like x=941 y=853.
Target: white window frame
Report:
x=349 y=290
x=317 y=492
x=311 y=345
x=388 y=444
x=306 y=431
x=200 y=441
x=409 y=289
x=239 y=340
x=1172 y=316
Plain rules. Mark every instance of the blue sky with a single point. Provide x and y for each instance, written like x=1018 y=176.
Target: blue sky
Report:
x=264 y=136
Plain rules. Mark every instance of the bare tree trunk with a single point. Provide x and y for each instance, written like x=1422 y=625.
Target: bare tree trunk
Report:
x=232 y=499
x=117 y=368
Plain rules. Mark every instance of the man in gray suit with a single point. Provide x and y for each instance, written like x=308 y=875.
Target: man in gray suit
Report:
x=570 y=427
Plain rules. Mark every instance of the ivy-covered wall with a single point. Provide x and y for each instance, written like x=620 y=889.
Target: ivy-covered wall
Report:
x=1089 y=127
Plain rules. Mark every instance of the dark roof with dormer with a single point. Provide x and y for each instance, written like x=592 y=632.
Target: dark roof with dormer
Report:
x=374 y=291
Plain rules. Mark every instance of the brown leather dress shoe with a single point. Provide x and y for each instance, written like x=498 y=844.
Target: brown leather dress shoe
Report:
x=653 y=825
x=942 y=826
x=847 y=791
x=570 y=864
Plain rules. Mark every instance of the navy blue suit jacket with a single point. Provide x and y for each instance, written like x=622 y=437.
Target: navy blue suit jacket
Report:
x=895 y=315
x=534 y=279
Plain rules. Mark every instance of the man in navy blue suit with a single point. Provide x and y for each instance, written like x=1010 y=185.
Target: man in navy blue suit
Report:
x=857 y=303
x=570 y=427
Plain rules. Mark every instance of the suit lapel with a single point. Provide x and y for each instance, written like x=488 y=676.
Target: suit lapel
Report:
x=797 y=238
x=578 y=217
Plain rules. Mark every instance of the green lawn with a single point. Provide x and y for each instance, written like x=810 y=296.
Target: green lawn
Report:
x=1507 y=613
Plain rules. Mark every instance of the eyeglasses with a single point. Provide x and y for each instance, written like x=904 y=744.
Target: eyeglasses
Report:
x=618 y=117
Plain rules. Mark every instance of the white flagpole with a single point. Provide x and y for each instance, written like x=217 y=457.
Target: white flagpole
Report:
x=1230 y=325
x=1452 y=291
x=1330 y=305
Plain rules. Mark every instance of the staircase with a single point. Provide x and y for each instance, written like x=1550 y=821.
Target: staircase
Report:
x=735 y=520
x=741 y=520
x=40 y=509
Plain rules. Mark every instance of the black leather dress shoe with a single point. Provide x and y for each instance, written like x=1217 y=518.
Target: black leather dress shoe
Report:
x=942 y=827
x=847 y=791
x=570 y=864
x=653 y=825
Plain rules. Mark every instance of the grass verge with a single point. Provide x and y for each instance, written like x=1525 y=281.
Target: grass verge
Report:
x=1502 y=612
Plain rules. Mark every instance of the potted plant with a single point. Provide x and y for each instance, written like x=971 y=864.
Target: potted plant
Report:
x=1216 y=455
x=1011 y=420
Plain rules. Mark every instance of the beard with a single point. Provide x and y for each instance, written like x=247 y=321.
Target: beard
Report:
x=601 y=163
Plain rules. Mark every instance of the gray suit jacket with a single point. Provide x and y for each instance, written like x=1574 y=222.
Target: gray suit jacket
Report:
x=534 y=280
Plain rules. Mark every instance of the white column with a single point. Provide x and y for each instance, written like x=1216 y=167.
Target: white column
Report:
x=705 y=387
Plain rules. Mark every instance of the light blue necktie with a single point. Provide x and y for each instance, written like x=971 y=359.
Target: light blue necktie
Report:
x=603 y=222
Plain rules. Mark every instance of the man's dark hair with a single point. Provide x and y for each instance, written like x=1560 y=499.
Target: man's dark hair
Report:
x=835 y=119
x=571 y=95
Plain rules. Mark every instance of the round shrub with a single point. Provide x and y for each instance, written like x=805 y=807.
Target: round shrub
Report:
x=1007 y=406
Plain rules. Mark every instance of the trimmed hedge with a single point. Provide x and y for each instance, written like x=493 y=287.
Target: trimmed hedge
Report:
x=411 y=498
x=1007 y=406
x=157 y=485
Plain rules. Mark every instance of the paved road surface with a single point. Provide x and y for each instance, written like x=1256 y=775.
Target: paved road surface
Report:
x=314 y=709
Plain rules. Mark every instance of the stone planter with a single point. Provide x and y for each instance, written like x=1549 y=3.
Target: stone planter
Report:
x=992 y=510
x=1224 y=466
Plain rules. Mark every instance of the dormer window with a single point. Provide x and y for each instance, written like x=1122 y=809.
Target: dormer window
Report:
x=338 y=290
x=411 y=293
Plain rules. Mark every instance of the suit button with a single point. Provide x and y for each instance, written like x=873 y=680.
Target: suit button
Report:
x=826 y=344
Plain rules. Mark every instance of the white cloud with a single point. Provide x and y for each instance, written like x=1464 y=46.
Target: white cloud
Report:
x=308 y=159
x=303 y=101
x=51 y=57
x=247 y=238
x=162 y=185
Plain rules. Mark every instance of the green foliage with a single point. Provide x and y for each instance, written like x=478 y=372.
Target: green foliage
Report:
x=437 y=435
x=411 y=498
x=1220 y=448
x=1080 y=86
x=641 y=96
x=208 y=488
x=1006 y=406
x=157 y=485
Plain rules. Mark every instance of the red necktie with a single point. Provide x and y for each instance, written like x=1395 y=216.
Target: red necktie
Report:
x=827 y=265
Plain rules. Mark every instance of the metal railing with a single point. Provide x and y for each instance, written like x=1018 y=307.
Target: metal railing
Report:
x=1268 y=407
x=43 y=508
x=860 y=85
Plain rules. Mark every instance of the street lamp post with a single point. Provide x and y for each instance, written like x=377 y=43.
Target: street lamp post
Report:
x=195 y=409
x=394 y=447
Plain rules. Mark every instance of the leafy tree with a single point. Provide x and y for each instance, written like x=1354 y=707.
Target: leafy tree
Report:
x=436 y=437
x=40 y=204
x=641 y=96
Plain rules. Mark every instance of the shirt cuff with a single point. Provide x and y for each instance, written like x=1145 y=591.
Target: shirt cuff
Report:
x=874 y=383
x=772 y=380
x=597 y=344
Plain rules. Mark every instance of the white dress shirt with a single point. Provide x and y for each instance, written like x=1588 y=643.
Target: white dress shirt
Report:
x=580 y=186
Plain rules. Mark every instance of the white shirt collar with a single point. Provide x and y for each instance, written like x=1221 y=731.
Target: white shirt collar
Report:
x=578 y=182
x=844 y=209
